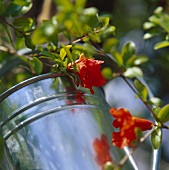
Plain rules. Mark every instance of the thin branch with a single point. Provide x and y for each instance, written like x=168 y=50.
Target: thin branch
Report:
x=126 y=157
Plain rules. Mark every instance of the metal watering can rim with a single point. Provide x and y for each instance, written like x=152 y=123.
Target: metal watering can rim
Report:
x=27 y=82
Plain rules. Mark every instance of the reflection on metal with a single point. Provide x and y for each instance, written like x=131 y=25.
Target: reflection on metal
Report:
x=49 y=123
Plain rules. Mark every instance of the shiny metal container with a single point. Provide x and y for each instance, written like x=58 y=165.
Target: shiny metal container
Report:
x=48 y=123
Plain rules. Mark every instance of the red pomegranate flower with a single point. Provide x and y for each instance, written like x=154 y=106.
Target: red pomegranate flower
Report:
x=89 y=72
x=127 y=124
x=102 y=149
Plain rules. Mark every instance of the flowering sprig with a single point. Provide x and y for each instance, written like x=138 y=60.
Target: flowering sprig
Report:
x=85 y=26
x=88 y=71
x=127 y=124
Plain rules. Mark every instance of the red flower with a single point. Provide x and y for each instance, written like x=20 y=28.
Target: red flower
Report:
x=89 y=72
x=102 y=149
x=127 y=124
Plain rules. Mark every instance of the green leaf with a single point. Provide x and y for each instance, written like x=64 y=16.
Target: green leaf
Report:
x=105 y=21
x=107 y=31
x=140 y=59
x=161 y=45
x=110 y=45
x=29 y=43
x=164 y=22
x=49 y=54
x=148 y=25
x=90 y=17
x=37 y=65
x=128 y=51
x=63 y=52
x=133 y=72
x=44 y=33
x=163 y=114
x=155 y=101
x=66 y=4
x=16 y=8
x=80 y=4
x=108 y=166
x=69 y=55
x=156 y=138
x=158 y=11
x=23 y=24
x=118 y=57
x=156 y=110
x=107 y=73
x=141 y=89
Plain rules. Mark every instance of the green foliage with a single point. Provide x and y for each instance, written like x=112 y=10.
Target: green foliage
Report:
x=163 y=114
x=1 y=147
x=158 y=24
x=108 y=166
x=36 y=66
x=107 y=73
x=156 y=138
x=155 y=101
x=14 y=7
x=143 y=92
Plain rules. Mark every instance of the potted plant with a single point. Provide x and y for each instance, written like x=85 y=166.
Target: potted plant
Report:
x=57 y=119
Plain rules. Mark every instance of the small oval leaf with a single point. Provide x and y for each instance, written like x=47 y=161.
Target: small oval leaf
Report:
x=133 y=72
x=141 y=89
x=163 y=114
x=161 y=45
x=37 y=66
x=156 y=138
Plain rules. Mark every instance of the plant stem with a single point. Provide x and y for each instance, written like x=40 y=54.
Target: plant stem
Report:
x=126 y=157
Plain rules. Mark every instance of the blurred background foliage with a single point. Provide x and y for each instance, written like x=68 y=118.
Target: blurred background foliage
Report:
x=129 y=17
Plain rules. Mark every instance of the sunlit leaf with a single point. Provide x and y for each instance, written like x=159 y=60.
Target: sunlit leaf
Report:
x=133 y=72
x=163 y=114
x=69 y=54
x=140 y=59
x=80 y=4
x=107 y=73
x=156 y=138
x=105 y=21
x=23 y=24
x=156 y=110
x=164 y=22
x=29 y=43
x=148 y=25
x=141 y=89
x=154 y=19
x=44 y=33
x=110 y=45
x=107 y=31
x=90 y=17
x=109 y=166
x=118 y=57
x=128 y=51
x=161 y=45
x=158 y=10
x=17 y=7
x=63 y=51
x=65 y=4
x=155 y=101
